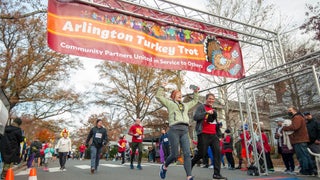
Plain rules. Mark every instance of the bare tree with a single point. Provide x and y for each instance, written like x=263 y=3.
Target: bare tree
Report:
x=21 y=9
x=313 y=20
x=249 y=12
x=131 y=88
x=32 y=75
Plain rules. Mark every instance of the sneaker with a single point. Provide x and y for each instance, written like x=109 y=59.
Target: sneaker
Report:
x=244 y=169
x=190 y=178
x=287 y=171
x=131 y=166
x=271 y=170
x=139 y=167
x=92 y=171
x=292 y=173
x=231 y=168
x=162 y=172
x=205 y=166
x=238 y=167
x=210 y=167
x=214 y=176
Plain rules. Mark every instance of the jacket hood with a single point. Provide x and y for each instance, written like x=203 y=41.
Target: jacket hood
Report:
x=10 y=129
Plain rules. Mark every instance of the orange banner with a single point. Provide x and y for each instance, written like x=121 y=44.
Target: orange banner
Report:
x=82 y=30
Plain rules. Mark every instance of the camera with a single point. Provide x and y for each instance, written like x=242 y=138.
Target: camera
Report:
x=193 y=87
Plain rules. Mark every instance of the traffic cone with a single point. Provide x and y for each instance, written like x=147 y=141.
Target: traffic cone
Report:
x=33 y=174
x=9 y=175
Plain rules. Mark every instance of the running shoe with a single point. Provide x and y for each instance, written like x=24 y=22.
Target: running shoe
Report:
x=215 y=176
x=162 y=172
x=139 y=167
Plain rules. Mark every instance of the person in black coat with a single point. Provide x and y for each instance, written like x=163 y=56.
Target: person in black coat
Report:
x=10 y=145
x=313 y=128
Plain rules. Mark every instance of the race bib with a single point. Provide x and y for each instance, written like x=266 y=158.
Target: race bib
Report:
x=48 y=155
x=98 y=135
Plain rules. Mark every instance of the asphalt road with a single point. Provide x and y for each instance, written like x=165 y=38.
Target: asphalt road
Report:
x=80 y=170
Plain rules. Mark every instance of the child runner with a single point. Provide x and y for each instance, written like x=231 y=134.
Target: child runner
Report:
x=48 y=153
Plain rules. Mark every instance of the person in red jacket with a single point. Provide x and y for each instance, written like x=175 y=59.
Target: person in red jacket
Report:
x=82 y=149
x=267 y=150
x=245 y=137
x=222 y=152
x=136 y=131
x=122 y=143
x=228 y=148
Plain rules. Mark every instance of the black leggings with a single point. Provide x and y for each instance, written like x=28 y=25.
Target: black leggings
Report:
x=230 y=159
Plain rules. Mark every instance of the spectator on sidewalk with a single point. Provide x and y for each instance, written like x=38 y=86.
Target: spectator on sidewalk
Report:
x=313 y=128
x=245 y=137
x=222 y=152
x=10 y=145
x=286 y=153
x=0 y=160
x=299 y=139
x=238 y=148
x=228 y=148
x=267 y=150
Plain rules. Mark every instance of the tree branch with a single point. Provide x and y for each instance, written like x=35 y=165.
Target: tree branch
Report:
x=5 y=16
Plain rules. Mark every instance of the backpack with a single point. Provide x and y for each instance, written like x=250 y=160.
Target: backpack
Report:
x=35 y=147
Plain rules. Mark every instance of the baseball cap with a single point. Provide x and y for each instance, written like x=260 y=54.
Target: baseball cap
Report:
x=306 y=113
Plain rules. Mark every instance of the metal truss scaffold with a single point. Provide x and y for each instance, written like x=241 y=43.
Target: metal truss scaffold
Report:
x=276 y=67
x=247 y=89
